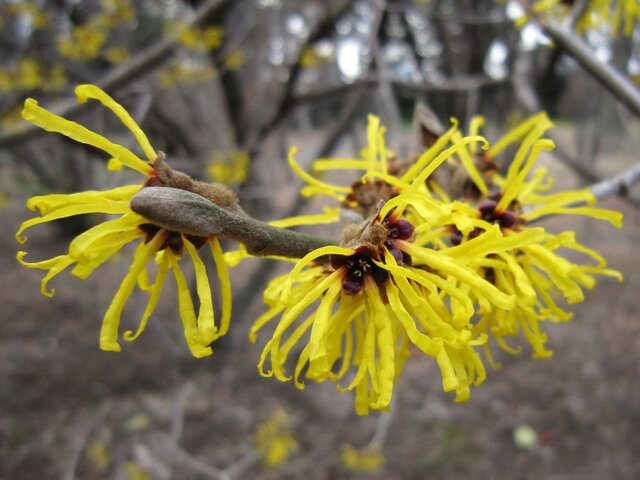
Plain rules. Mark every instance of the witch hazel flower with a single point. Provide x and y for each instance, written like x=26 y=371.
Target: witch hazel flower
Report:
x=92 y=248
x=373 y=304
x=535 y=273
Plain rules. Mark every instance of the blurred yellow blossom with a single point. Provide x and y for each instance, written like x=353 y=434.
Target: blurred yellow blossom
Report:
x=230 y=168
x=4 y=199
x=235 y=59
x=311 y=57
x=185 y=71
x=273 y=439
x=98 y=455
x=194 y=37
x=83 y=42
x=12 y=119
x=29 y=74
x=363 y=460
x=117 y=54
x=136 y=472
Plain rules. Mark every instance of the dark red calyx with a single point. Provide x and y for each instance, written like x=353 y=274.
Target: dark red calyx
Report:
x=489 y=213
x=358 y=266
x=400 y=229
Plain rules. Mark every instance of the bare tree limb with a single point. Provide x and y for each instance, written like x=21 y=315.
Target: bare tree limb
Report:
x=609 y=77
x=620 y=183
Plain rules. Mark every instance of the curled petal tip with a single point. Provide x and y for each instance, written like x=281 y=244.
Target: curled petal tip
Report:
x=129 y=336
x=45 y=292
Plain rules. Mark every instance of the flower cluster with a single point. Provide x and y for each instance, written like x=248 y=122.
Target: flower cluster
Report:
x=442 y=274
x=92 y=248
x=274 y=440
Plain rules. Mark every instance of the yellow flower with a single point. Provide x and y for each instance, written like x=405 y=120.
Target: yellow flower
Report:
x=532 y=272
x=273 y=439
x=384 y=177
x=378 y=293
x=230 y=168
x=117 y=54
x=136 y=472
x=93 y=247
x=235 y=59
x=364 y=460
x=193 y=37
x=83 y=43
x=185 y=71
x=4 y=200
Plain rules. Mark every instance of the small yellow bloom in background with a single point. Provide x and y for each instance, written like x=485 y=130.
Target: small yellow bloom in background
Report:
x=12 y=119
x=117 y=54
x=119 y=10
x=98 y=455
x=84 y=42
x=136 y=472
x=273 y=439
x=93 y=247
x=312 y=56
x=30 y=74
x=362 y=460
x=193 y=37
x=230 y=168
x=185 y=71
x=235 y=59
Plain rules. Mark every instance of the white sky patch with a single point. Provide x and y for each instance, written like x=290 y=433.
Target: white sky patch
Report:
x=495 y=61
x=514 y=10
x=348 y=57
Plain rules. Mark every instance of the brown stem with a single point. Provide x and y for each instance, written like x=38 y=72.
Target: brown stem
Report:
x=190 y=213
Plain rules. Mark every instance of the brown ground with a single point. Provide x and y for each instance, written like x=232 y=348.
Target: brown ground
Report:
x=178 y=417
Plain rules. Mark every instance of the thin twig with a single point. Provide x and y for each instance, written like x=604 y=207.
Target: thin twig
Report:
x=383 y=425
x=181 y=396
x=240 y=466
x=609 y=77
x=384 y=75
x=590 y=176
x=620 y=183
